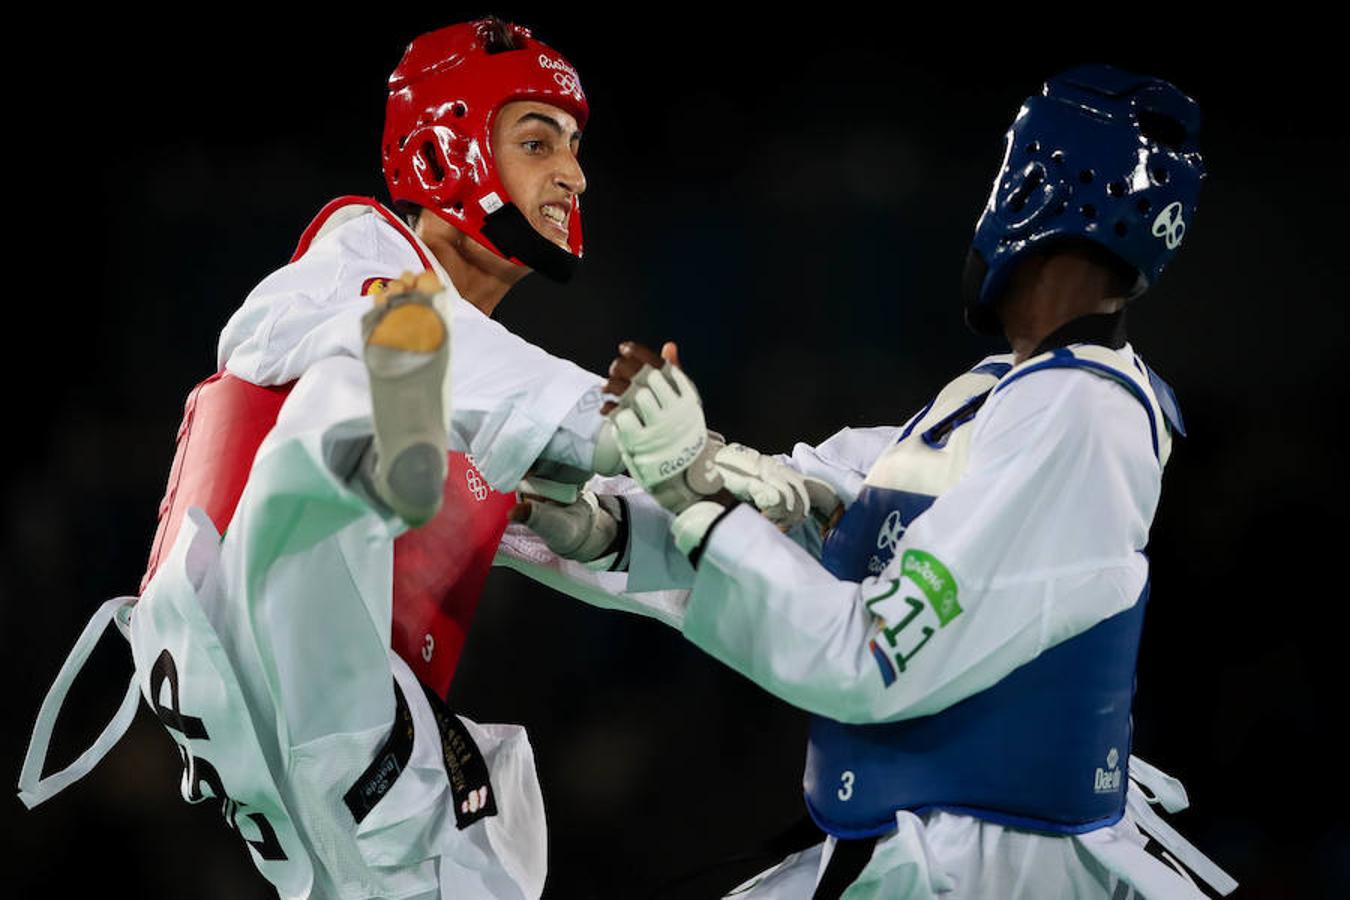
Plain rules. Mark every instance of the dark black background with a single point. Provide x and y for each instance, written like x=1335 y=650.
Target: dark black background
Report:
x=792 y=201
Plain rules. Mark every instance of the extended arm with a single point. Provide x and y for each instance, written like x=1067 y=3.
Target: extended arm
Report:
x=1038 y=542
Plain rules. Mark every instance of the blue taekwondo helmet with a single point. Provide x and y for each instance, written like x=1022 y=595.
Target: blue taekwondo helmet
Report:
x=1101 y=155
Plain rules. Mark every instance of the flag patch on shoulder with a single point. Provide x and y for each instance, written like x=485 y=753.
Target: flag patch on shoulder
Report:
x=374 y=286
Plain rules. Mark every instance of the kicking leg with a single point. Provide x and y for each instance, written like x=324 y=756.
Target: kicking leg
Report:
x=407 y=352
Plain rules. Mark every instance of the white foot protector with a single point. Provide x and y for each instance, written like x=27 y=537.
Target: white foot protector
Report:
x=407 y=352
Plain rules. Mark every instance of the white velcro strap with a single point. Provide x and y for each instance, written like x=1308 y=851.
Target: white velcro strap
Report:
x=557 y=491
x=1163 y=787
x=33 y=788
x=603 y=563
x=1152 y=824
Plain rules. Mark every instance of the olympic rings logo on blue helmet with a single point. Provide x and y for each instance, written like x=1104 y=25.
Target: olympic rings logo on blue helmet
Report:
x=1103 y=155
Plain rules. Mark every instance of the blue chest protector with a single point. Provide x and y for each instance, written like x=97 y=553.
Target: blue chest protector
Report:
x=1045 y=748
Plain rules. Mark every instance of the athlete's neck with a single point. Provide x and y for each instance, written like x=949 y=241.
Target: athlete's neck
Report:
x=480 y=276
x=1048 y=291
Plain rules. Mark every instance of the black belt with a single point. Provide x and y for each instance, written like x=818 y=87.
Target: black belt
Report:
x=470 y=787
x=847 y=861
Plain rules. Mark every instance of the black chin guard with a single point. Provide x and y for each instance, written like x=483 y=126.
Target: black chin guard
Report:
x=512 y=234
x=980 y=317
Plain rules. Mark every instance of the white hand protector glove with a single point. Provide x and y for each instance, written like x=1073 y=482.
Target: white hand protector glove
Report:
x=663 y=439
x=583 y=530
x=776 y=490
x=665 y=443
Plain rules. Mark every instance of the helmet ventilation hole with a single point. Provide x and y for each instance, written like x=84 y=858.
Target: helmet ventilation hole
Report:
x=1057 y=157
x=1089 y=211
x=1160 y=175
x=459 y=110
x=1143 y=205
x=1034 y=147
x=396 y=174
x=1116 y=189
x=1029 y=185
x=1120 y=229
x=459 y=207
x=429 y=154
x=401 y=141
x=1085 y=176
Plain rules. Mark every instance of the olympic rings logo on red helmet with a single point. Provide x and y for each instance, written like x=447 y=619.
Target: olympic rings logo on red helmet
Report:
x=564 y=74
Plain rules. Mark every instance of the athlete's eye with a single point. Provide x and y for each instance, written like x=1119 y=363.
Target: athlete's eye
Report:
x=534 y=146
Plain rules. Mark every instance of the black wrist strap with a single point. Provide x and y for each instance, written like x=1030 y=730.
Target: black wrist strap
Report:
x=727 y=499
x=620 y=545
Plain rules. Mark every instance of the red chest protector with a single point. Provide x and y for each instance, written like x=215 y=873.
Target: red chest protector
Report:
x=439 y=569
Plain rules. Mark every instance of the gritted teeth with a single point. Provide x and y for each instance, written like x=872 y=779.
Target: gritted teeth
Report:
x=555 y=214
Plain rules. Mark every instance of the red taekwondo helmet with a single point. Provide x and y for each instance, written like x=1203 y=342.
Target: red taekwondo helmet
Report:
x=443 y=97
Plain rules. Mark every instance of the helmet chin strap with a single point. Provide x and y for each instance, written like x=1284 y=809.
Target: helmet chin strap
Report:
x=512 y=234
x=980 y=318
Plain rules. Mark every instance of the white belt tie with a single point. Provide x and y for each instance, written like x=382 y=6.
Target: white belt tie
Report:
x=1154 y=786
x=33 y=788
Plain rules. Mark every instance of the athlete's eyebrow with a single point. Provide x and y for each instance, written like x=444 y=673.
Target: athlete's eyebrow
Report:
x=549 y=121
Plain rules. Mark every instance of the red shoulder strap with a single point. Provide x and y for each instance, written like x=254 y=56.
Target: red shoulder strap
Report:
x=353 y=200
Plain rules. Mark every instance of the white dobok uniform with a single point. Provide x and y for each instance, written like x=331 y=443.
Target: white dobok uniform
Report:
x=1043 y=505
x=266 y=654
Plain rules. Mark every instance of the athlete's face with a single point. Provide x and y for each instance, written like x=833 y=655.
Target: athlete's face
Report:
x=535 y=148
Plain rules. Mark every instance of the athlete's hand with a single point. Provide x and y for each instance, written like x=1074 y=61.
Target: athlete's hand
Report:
x=659 y=427
x=586 y=529
x=632 y=357
x=660 y=430
x=777 y=491
x=626 y=366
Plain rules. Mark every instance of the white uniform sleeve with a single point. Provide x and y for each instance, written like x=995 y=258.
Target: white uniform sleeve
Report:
x=843 y=460
x=654 y=562
x=510 y=397
x=310 y=309
x=1038 y=542
x=659 y=576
